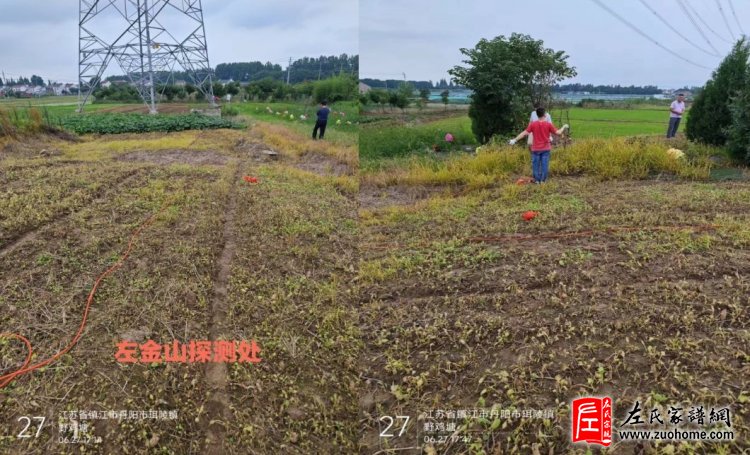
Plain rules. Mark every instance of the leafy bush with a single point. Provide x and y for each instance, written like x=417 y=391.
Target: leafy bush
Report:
x=335 y=89
x=227 y=110
x=140 y=123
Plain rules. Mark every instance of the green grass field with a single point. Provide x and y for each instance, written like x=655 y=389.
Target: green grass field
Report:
x=338 y=130
x=387 y=138
x=43 y=101
x=341 y=130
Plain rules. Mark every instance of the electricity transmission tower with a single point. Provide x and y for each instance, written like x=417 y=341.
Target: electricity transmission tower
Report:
x=148 y=39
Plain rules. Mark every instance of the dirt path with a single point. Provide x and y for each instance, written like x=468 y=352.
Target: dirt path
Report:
x=217 y=412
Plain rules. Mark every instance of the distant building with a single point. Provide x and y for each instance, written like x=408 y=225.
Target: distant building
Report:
x=56 y=89
x=364 y=88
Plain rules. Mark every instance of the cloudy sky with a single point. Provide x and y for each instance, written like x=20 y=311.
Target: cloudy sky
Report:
x=422 y=37
x=41 y=36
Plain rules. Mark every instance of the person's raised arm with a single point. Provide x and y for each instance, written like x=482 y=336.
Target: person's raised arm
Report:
x=562 y=130
x=523 y=134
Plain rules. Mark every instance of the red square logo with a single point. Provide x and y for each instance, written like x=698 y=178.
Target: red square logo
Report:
x=592 y=420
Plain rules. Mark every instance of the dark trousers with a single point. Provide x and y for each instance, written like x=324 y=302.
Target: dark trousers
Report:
x=674 y=123
x=319 y=125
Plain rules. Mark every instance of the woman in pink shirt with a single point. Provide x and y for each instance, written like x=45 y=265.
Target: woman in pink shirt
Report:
x=541 y=146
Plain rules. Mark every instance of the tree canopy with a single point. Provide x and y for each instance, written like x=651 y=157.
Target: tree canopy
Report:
x=508 y=76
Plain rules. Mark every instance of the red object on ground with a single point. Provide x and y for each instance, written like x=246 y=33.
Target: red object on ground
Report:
x=249 y=179
x=524 y=180
x=530 y=215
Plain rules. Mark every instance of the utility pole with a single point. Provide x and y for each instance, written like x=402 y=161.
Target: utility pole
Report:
x=288 y=70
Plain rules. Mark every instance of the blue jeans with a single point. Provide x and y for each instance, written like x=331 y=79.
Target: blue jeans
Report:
x=540 y=165
x=674 y=123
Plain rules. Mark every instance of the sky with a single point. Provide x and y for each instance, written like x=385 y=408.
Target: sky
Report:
x=41 y=36
x=422 y=38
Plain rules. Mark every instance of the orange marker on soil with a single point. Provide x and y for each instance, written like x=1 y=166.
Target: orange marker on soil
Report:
x=530 y=215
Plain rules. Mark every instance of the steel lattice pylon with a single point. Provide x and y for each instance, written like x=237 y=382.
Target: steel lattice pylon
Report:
x=145 y=50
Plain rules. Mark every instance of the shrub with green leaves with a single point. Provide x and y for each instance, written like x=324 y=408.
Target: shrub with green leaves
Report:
x=335 y=89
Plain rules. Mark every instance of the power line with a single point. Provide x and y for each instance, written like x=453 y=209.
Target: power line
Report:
x=643 y=2
x=726 y=22
x=695 y=24
x=700 y=18
x=731 y=6
x=637 y=30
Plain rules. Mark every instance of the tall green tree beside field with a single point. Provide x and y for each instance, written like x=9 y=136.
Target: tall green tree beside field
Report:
x=507 y=76
x=710 y=115
x=739 y=132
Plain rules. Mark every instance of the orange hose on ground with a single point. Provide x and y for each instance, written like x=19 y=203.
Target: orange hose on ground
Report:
x=25 y=368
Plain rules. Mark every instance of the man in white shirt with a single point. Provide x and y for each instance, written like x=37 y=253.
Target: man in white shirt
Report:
x=533 y=118
x=676 y=109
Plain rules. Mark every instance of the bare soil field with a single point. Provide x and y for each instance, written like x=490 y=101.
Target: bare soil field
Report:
x=637 y=290
x=224 y=259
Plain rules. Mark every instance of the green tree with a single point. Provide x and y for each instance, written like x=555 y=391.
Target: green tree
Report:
x=710 y=114
x=334 y=89
x=444 y=96
x=424 y=94
x=219 y=89
x=739 y=132
x=401 y=98
x=398 y=99
x=379 y=97
x=424 y=98
x=233 y=88
x=507 y=76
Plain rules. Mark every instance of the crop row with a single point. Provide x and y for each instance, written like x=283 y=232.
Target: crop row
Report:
x=140 y=123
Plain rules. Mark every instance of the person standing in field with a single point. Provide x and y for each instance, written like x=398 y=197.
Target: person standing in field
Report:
x=541 y=147
x=322 y=121
x=534 y=118
x=676 y=109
